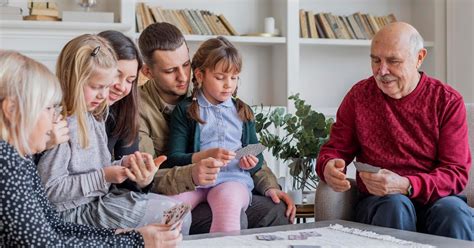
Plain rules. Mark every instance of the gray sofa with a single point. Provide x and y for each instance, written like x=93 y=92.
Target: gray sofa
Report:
x=330 y=205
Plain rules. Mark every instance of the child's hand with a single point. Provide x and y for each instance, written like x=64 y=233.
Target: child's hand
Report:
x=248 y=162
x=115 y=174
x=59 y=134
x=142 y=167
x=221 y=154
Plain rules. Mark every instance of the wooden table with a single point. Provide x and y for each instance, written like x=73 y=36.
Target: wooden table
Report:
x=304 y=211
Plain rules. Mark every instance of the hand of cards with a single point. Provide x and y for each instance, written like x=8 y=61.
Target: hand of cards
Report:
x=175 y=215
x=363 y=167
x=251 y=149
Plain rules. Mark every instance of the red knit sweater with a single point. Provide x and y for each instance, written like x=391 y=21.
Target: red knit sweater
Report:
x=422 y=136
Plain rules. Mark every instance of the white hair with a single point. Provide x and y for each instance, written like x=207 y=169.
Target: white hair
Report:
x=416 y=42
x=32 y=88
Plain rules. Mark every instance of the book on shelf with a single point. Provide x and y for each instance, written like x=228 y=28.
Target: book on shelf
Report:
x=313 y=32
x=41 y=5
x=41 y=18
x=303 y=24
x=199 y=22
x=44 y=12
x=43 y=9
x=227 y=25
x=329 y=26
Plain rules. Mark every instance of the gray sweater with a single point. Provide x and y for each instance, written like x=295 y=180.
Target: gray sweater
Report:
x=73 y=176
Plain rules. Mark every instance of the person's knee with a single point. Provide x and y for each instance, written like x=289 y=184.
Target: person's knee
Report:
x=451 y=209
x=395 y=211
x=451 y=217
x=449 y=206
x=396 y=204
x=263 y=212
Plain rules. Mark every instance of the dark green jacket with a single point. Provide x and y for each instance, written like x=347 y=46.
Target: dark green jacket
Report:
x=185 y=137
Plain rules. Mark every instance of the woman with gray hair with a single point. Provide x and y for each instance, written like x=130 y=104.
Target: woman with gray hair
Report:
x=29 y=100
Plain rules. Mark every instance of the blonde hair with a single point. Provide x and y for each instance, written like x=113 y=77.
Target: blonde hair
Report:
x=76 y=64
x=32 y=88
x=208 y=56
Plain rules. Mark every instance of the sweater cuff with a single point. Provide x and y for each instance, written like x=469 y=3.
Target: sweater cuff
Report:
x=94 y=181
x=415 y=182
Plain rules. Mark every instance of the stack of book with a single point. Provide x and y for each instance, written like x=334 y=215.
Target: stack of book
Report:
x=43 y=11
x=10 y=13
x=328 y=26
x=200 y=22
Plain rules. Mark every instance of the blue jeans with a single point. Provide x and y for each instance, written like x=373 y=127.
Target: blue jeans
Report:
x=449 y=216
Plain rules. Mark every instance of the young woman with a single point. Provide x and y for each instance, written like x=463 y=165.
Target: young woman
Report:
x=29 y=97
x=122 y=121
x=213 y=122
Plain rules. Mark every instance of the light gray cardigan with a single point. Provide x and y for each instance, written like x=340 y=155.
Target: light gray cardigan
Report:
x=73 y=176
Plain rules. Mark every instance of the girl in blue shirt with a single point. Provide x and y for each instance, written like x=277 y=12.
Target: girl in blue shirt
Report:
x=214 y=123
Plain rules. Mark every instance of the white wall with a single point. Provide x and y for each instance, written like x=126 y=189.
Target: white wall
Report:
x=460 y=47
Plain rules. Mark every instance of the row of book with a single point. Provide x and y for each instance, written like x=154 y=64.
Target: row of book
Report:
x=328 y=26
x=199 y=22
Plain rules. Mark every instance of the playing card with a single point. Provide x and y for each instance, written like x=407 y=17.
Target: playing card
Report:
x=310 y=234
x=268 y=237
x=296 y=237
x=251 y=149
x=363 y=167
x=175 y=215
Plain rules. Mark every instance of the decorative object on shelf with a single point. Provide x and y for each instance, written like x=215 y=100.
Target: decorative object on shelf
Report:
x=9 y=12
x=42 y=11
x=87 y=15
x=328 y=26
x=199 y=22
x=269 y=25
x=269 y=29
x=305 y=132
x=87 y=4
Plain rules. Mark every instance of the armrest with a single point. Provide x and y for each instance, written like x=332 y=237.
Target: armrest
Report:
x=330 y=205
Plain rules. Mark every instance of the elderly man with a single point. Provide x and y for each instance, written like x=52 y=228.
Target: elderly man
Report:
x=412 y=126
x=168 y=66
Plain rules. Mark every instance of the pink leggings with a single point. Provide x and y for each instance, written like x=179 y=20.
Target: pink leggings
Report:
x=226 y=200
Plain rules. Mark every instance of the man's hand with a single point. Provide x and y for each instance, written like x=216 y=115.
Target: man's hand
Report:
x=248 y=162
x=276 y=195
x=142 y=167
x=334 y=175
x=385 y=182
x=160 y=235
x=59 y=134
x=205 y=171
x=221 y=154
x=115 y=174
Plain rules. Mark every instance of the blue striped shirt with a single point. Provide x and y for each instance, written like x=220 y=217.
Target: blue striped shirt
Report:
x=223 y=129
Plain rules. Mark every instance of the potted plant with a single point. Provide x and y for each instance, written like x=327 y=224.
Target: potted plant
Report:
x=304 y=132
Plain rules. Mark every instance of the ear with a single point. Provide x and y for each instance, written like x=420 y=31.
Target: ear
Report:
x=421 y=57
x=8 y=108
x=199 y=75
x=146 y=70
